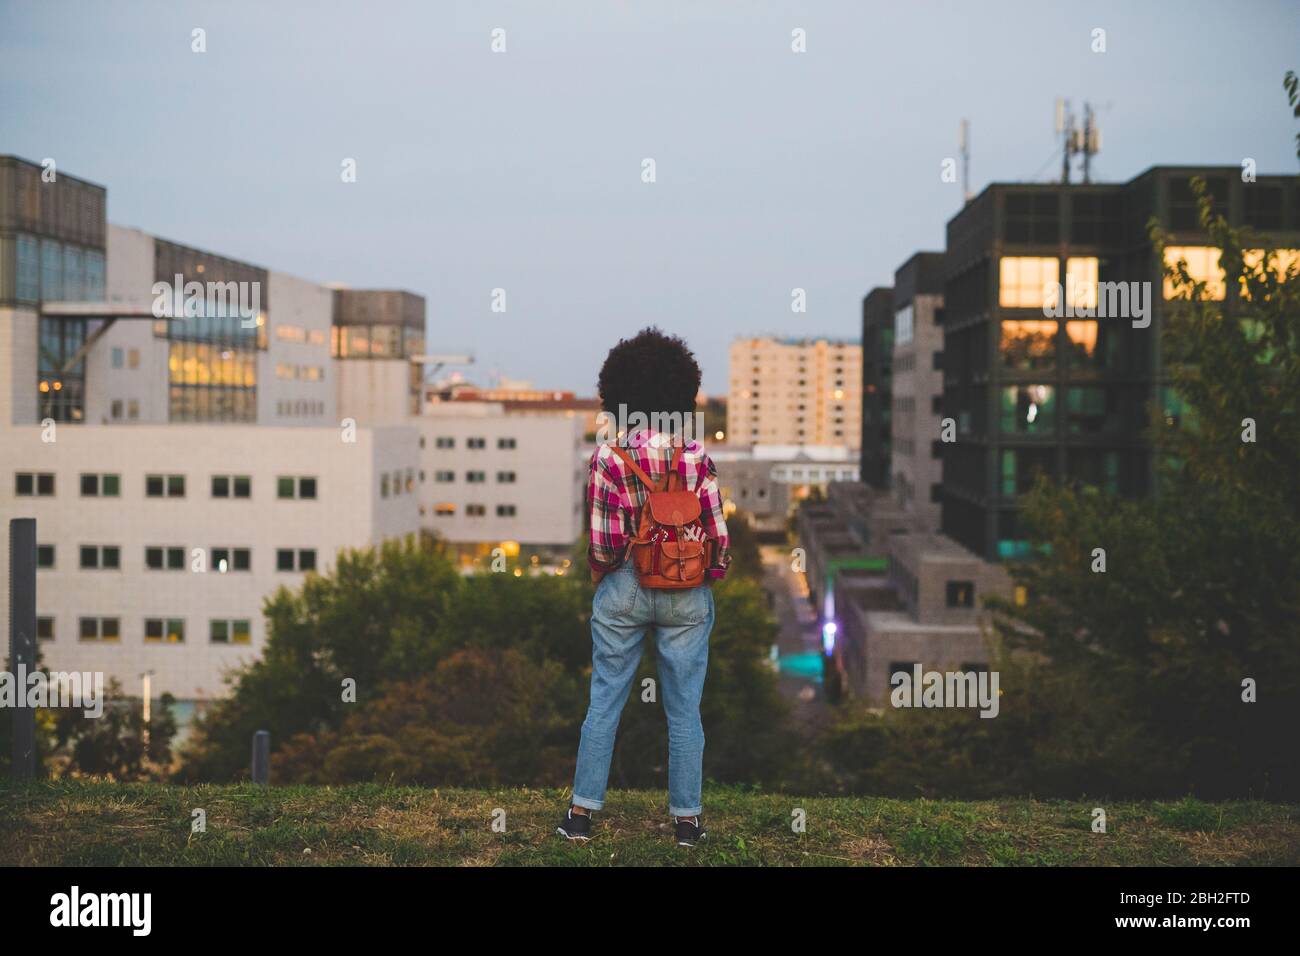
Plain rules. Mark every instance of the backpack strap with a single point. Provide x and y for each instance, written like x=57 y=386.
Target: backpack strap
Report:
x=650 y=484
x=670 y=481
x=673 y=479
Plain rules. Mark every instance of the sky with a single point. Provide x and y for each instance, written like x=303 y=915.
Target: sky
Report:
x=522 y=170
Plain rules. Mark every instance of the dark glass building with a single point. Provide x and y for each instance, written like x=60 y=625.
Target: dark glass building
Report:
x=877 y=364
x=1068 y=395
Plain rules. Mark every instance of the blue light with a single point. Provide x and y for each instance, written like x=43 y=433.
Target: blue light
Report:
x=828 y=636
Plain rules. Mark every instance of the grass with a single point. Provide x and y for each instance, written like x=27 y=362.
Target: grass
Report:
x=82 y=823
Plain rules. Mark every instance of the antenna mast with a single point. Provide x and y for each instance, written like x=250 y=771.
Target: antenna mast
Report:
x=963 y=141
x=1076 y=141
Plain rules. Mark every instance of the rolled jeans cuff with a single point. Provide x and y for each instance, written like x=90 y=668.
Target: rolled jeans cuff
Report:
x=588 y=804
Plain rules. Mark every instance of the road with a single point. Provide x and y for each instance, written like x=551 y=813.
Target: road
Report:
x=798 y=643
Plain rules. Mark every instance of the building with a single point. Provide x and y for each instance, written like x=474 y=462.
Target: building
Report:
x=915 y=462
x=192 y=432
x=766 y=482
x=794 y=392
x=877 y=384
x=1070 y=397
x=492 y=476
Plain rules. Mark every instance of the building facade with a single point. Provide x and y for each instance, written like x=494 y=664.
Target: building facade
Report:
x=1071 y=397
x=794 y=392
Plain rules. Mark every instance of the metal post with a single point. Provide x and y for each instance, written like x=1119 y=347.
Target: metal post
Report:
x=22 y=640
x=262 y=757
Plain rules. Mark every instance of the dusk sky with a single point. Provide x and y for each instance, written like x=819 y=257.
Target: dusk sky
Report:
x=522 y=170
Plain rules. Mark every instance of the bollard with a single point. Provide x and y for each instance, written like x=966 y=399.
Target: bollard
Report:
x=262 y=757
x=22 y=639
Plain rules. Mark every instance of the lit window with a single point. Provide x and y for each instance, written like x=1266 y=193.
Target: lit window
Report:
x=1081 y=282
x=1202 y=266
x=1028 y=282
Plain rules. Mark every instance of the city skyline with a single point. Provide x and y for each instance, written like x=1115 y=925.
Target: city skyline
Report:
x=774 y=170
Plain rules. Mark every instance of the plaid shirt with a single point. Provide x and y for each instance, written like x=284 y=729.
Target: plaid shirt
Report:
x=615 y=497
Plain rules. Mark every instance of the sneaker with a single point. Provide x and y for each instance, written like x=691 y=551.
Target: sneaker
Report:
x=690 y=830
x=575 y=826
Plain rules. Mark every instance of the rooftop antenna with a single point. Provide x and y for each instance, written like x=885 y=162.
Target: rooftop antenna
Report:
x=963 y=142
x=1082 y=141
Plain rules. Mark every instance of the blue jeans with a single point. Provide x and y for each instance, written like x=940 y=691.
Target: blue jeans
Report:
x=682 y=619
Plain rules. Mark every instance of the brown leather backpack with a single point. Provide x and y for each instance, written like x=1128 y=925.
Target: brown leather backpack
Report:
x=670 y=548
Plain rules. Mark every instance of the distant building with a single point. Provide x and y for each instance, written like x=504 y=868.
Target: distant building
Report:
x=1070 y=396
x=795 y=392
x=877 y=385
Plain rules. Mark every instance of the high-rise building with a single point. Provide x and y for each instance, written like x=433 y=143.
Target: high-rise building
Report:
x=1069 y=395
x=795 y=392
x=915 y=465
x=877 y=384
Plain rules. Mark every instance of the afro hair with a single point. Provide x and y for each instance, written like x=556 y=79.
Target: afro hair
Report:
x=651 y=373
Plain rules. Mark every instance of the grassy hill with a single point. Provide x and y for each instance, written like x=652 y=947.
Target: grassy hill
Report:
x=89 y=823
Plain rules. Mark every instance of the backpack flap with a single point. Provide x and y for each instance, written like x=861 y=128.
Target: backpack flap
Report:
x=674 y=508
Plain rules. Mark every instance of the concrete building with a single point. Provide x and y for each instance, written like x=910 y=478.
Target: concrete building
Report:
x=915 y=464
x=766 y=482
x=491 y=476
x=1071 y=396
x=795 y=392
x=189 y=445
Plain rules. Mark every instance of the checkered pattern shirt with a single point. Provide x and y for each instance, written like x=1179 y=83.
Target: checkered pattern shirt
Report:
x=615 y=496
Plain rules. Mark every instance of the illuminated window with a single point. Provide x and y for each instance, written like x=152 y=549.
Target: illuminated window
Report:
x=1202 y=266
x=1028 y=345
x=1081 y=282
x=1028 y=282
x=1028 y=409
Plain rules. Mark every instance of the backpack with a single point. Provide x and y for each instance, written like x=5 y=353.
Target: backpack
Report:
x=670 y=546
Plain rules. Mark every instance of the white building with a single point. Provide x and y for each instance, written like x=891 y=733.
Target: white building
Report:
x=181 y=469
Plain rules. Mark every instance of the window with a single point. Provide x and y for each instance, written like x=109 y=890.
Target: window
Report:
x=95 y=486
x=476 y=443
x=1028 y=344
x=159 y=630
x=900 y=667
x=505 y=511
x=444 y=442
x=96 y=557
x=1021 y=597
x=444 y=476
x=27 y=484
x=159 y=486
x=444 y=509
x=1081 y=282
x=287 y=559
x=506 y=477
x=232 y=486
x=505 y=443
x=289 y=487
x=1085 y=410
x=230 y=632
x=99 y=628
x=231 y=559
x=960 y=593
x=45 y=555
x=476 y=477
x=475 y=511
x=1028 y=282
x=1202 y=266
x=45 y=628
x=1028 y=409
x=383 y=485
x=157 y=558
x=119 y=358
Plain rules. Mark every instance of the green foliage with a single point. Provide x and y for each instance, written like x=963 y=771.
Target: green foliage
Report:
x=479 y=679
x=114 y=745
